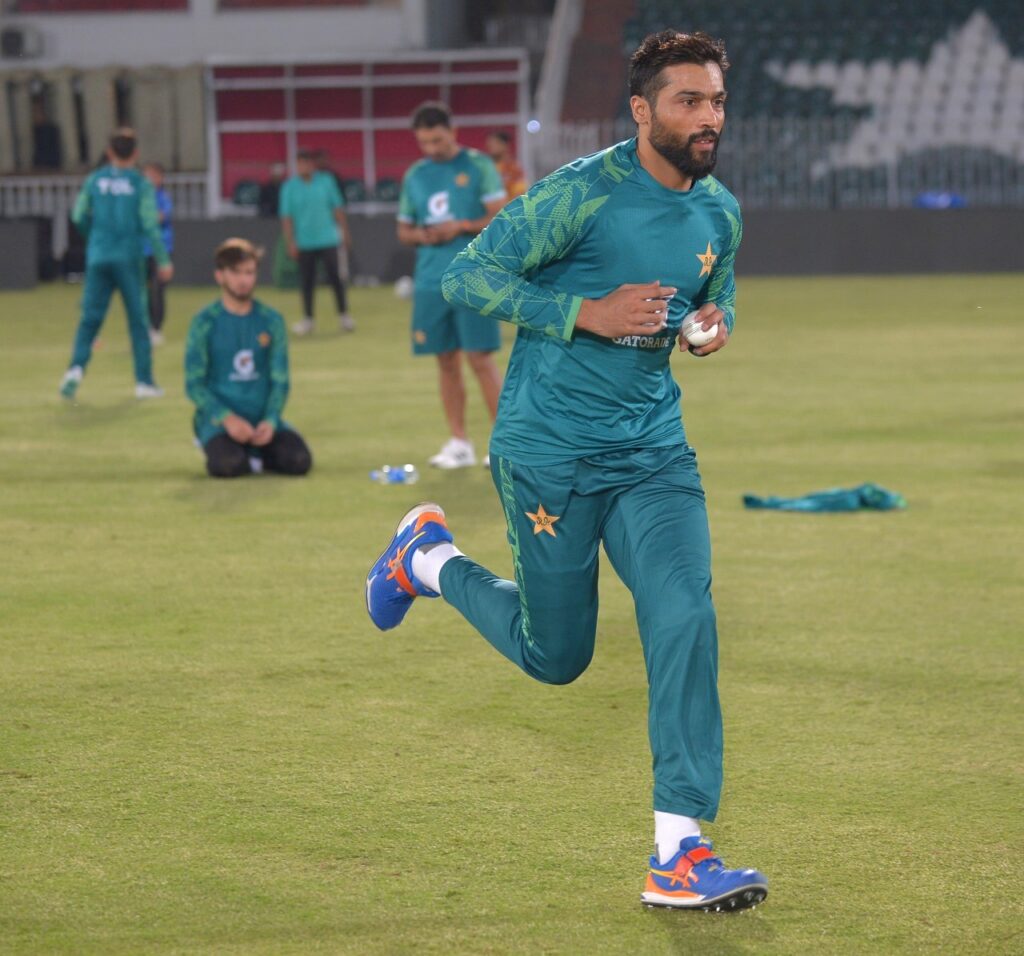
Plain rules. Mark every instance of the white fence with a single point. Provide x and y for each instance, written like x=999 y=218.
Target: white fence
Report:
x=54 y=196
x=794 y=163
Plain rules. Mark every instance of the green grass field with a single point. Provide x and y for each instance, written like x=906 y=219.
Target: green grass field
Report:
x=206 y=747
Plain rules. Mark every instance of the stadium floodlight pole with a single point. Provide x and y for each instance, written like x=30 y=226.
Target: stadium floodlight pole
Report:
x=554 y=71
x=213 y=200
x=523 y=100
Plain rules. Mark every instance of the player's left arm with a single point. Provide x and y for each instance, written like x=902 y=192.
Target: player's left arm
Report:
x=492 y=196
x=342 y=220
x=717 y=304
x=493 y=274
x=492 y=207
x=337 y=200
x=280 y=381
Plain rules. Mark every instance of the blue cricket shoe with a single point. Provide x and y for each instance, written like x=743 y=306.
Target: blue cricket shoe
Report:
x=391 y=586
x=697 y=879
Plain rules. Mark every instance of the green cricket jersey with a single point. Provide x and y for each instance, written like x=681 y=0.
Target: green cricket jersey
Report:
x=236 y=363
x=581 y=232
x=434 y=192
x=116 y=211
x=310 y=204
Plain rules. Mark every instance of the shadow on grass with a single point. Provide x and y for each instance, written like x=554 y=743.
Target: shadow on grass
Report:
x=230 y=494
x=724 y=934
x=78 y=414
x=1013 y=470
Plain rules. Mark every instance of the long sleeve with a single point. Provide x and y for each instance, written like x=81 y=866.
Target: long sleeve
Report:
x=150 y=216
x=721 y=287
x=492 y=275
x=406 y=206
x=81 y=213
x=280 y=382
x=197 y=363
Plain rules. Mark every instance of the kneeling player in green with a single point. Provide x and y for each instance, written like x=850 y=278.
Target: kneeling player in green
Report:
x=236 y=373
x=598 y=264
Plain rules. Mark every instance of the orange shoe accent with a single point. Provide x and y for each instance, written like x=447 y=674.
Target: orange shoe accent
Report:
x=652 y=887
x=689 y=860
x=429 y=516
x=396 y=566
x=682 y=872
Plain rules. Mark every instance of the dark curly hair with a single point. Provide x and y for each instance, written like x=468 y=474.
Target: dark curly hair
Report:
x=668 y=48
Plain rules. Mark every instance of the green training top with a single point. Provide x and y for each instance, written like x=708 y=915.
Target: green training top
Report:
x=310 y=205
x=116 y=211
x=435 y=192
x=236 y=363
x=581 y=232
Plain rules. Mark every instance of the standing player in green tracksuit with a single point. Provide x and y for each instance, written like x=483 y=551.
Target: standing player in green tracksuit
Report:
x=598 y=264
x=236 y=373
x=116 y=211
x=447 y=198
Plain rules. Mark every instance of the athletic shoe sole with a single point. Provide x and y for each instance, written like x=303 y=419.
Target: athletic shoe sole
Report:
x=408 y=518
x=746 y=897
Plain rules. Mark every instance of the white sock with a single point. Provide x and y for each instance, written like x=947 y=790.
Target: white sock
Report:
x=428 y=561
x=669 y=830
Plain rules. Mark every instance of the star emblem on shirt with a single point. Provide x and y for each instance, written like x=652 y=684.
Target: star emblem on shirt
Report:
x=542 y=521
x=707 y=260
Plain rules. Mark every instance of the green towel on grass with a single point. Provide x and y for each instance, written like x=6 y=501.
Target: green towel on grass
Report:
x=867 y=496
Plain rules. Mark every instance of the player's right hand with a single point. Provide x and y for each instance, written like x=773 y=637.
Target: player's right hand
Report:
x=165 y=273
x=293 y=251
x=632 y=309
x=238 y=429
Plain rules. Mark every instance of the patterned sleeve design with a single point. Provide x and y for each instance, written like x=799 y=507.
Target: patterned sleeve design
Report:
x=721 y=287
x=81 y=214
x=279 y=379
x=209 y=409
x=492 y=275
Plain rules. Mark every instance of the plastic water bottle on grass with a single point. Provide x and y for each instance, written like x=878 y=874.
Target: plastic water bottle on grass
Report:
x=395 y=475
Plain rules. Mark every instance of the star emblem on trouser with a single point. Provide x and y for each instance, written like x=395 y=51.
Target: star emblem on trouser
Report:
x=542 y=521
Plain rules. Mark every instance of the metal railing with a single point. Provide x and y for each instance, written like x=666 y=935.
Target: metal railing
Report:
x=817 y=163
x=54 y=197
x=789 y=163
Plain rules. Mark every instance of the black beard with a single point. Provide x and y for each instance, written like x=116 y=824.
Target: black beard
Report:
x=680 y=153
x=240 y=299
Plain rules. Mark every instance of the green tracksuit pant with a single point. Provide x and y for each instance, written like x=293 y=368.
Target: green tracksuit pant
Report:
x=101 y=279
x=647 y=509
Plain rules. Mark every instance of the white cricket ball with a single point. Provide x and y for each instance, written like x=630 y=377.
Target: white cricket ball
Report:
x=695 y=334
